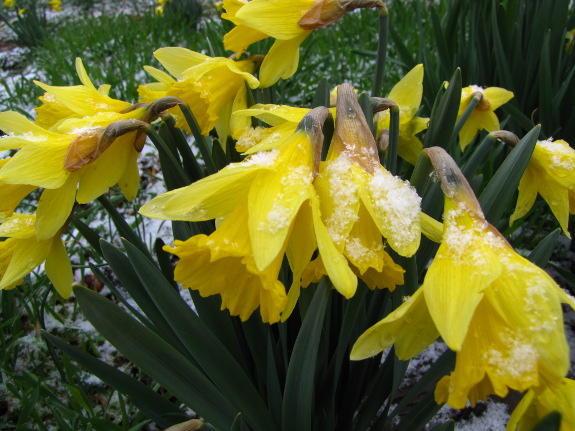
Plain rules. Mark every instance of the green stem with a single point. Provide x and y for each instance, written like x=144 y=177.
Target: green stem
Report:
x=391 y=159
x=200 y=140
x=381 y=53
x=464 y=117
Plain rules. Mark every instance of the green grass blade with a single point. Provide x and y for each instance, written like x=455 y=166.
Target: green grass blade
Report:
x=153 y=405
x=157 y=358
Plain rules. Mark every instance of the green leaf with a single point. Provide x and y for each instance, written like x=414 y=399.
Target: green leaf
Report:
x=321 y=96
x=150 y=403
x=551 y=422
x=123 y=227
x=200 y=140
x=381 y=53
x=201 y=343
x=543 y=251
x=498 y=193
x=157 y=358
x=444 y=114
x=298 y=402
x=420 y=414
x=88 y=233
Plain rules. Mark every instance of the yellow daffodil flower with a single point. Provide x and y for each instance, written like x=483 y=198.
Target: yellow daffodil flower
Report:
x=77 y=101
x=407 y=94
x=498 y=311
x=56 y=5
x=9 y=3
x=483 y=116
x=76 y=166
x=551 y=173
x=283 y=120
x=361 y=201
x=288 y=21
x=535 y=406
x=276 y=187
x=212 y=87
x=21 y=252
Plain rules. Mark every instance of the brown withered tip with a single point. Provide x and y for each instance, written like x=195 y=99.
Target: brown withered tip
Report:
x=484 y=104
x=312 y=123
x=453 y=182
x=379 y=104
x=89 y=145
x=509 y=138
x=324 y=12
x=352 y=133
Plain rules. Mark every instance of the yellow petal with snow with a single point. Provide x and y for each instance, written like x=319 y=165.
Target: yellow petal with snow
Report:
x=281 y=61
x=277 y=19
x=18 y=226
x=497 y=96
x=13 y=123
x=274 y=114
x=409 y=327
x=395 y=207
x=274 y=201
x=407 y=93
x=176 y=59
x=211 y=197
x=54 y=208
x=59 y=269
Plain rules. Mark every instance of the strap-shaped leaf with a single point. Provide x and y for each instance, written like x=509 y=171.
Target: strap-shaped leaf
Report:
x=321 y=96
x=298 y=402
x=201 y=343
x=444 y=114
x=551 y=422
x=88 y=233
x=543 y=251
x=153 y=405
x=498 y=193
x=157 y=358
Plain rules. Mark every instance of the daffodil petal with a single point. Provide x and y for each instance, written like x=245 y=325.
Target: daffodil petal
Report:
x=176 y=59
x=281 y=60
x=129 y=182
x=212 y=197
x=240 y=37
x=159 y=75
x=497 y=96
x=59 y=269
x=409 y=327
x=54 y=208
x=28 y=254
x=527 y=196
x=558 y=200
x=407 y=93
x=277 y=19
x=13 y=123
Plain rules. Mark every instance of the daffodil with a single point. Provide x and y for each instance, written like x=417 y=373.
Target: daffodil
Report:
x=407 y=94
x=21 y=252
x=361 y=201
x=551 y=173
x=535 y=406
x=281 y=212
x=9 y=3
x=212 y=87
x=11 y=194
x=56 y=5
x=499 y=312
x=290 y=22
x=483 y=116
x=77 y=166
x=60 y=103
x=283 y=120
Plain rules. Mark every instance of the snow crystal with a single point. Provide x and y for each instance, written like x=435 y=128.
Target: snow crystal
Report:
x=263 y=159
